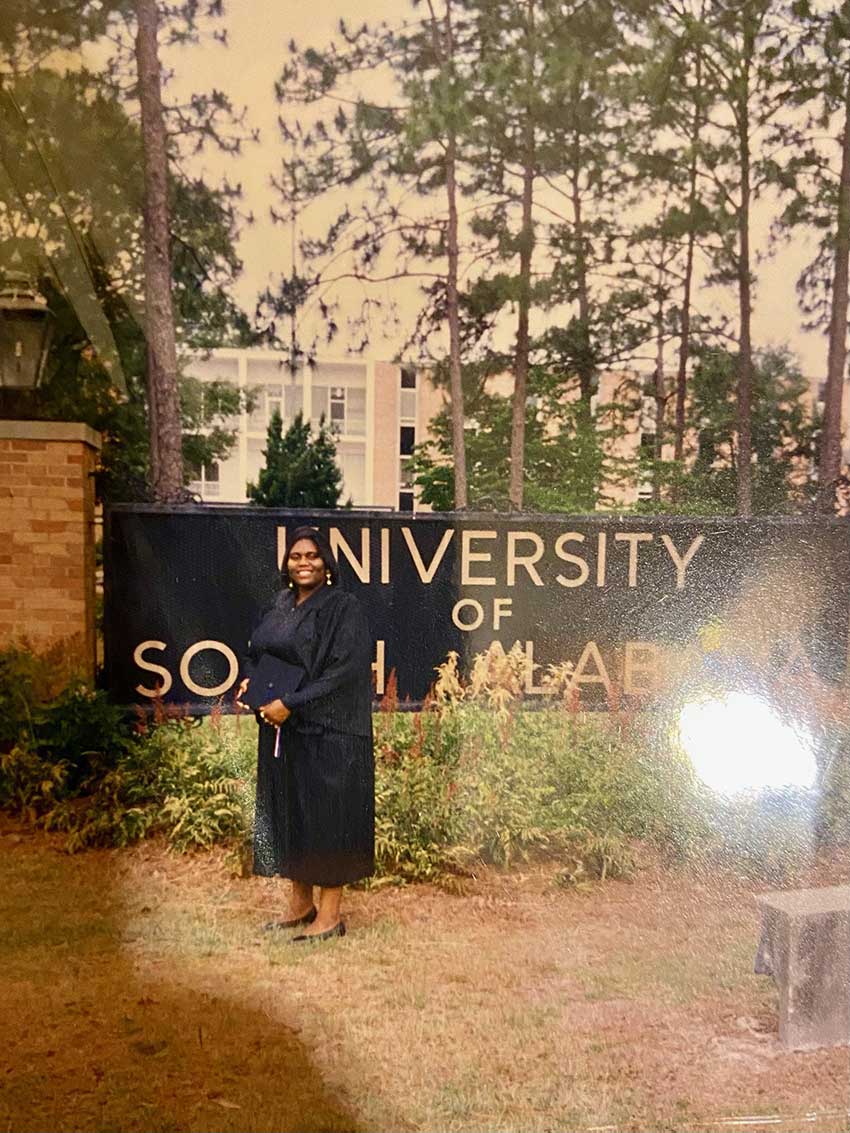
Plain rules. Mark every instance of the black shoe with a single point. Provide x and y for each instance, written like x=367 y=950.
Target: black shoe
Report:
x=337 y=930
x=308 y=918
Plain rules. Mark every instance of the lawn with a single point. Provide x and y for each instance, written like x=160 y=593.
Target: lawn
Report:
x=140 y=994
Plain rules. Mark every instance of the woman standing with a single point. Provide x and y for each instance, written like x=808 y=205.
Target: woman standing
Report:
x=314 y=821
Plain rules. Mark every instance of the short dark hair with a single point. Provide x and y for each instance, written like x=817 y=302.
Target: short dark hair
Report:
x=322 y=546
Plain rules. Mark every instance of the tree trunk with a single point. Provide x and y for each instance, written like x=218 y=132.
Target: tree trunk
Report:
x=660 y=383
x=745 y=358
x=684 y=351
x=455 y=376
x=163 y=397
x=584 y=367
x=446 y=57
x=830 y=445
x=526 y=249
x=685 y=324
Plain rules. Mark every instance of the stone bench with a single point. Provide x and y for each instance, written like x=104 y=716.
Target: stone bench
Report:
x=805 y=947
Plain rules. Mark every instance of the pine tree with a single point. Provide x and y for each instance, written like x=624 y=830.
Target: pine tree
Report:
x=412 y=144
x=28 y=32
x=811 y=169
x=54 y=130
x=552 y=142
x=569 y=462
x=300 y=470
x=163 y=393
x=677 y=95
x=741 y=44
x=782 y=435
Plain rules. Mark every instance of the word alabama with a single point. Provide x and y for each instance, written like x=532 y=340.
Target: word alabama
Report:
x=634 y=668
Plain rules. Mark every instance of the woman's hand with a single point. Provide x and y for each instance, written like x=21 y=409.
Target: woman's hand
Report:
x=240 y=692
x=275 y=713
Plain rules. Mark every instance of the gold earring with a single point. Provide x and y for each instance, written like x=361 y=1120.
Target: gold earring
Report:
x=329 y=578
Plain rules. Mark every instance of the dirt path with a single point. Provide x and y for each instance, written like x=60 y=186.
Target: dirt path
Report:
x=139 y=994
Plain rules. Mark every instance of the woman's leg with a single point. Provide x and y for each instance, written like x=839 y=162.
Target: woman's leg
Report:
x=328 y=917
x=300 y=899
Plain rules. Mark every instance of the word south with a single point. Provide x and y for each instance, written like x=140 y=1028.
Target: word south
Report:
x=490 y=557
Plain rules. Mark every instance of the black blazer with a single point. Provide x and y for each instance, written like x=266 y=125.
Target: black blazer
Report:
x=334 y=645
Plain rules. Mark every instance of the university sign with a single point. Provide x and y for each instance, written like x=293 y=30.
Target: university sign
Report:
x=613 y=597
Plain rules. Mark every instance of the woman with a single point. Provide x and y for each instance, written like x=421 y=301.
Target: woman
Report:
x=314 y=819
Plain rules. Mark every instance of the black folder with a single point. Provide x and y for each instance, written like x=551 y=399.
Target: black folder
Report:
x=272 y=680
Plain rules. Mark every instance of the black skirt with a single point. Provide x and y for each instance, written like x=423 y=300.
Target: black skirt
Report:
x=315 y=811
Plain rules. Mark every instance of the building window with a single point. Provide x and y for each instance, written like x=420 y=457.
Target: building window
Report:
x=257 y=420
x=286 y=398
x=406 y=440
x=255 y=456
x=407 y=400
x=320 y=404
x=408 y=405
x=293 y=400
x=204 y=480
x=352 y=461
x=338 y=407
x=405 y=475
x=355 y=411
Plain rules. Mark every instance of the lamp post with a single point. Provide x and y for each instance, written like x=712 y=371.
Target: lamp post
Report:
x=25 y=333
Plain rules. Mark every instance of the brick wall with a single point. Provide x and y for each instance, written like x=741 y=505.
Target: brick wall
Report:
x=47 y=565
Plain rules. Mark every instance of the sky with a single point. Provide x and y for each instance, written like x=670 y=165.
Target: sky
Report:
x=259 y=34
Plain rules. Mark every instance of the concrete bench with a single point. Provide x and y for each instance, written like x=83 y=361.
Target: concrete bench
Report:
x=805 y=947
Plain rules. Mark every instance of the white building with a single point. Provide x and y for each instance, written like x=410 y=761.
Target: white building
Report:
x=379 y=411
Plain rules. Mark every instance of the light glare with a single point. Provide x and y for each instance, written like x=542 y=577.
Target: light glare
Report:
x=737 y=743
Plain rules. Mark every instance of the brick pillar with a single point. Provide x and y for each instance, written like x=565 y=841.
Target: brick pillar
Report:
x=47 y=561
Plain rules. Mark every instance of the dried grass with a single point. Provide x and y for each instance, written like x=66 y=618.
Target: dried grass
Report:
x=141 y=995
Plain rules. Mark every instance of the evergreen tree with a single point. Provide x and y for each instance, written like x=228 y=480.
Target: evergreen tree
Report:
x=570 y=463
x=54 y=130
x=810 y=167
x=408 y=145
x=783 y=436
x=300 y=470
x=741 y=43
x=28 y=31
x=676 y=94
x=553 y=142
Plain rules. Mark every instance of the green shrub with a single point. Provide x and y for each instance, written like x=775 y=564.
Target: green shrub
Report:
x=26 y=683
x=833 y=820
x=29 y=785
x=52 y=712
x=416 y=756
x=179 y=780
x=189 y=784
x=84 y=729
x=461 y=785
x=476 y=778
